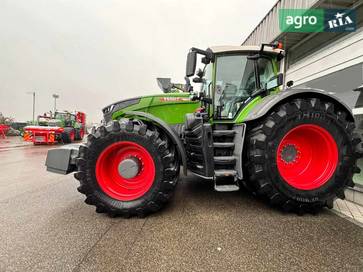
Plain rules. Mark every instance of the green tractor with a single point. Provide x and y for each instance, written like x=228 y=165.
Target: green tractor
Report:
x=296 y=147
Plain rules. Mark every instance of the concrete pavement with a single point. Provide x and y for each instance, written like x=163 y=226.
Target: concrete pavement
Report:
x=13 y=141
x=45 y=226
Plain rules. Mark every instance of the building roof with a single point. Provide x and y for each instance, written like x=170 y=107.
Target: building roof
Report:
x=268 y=29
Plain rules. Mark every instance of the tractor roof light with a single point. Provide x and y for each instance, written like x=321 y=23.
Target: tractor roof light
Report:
x=275 y=45
x=279 y=45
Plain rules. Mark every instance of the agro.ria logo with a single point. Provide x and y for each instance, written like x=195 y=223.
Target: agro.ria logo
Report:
x=340 y=20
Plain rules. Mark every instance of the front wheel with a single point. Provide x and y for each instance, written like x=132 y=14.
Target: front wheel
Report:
x=68 y=135
x=303 y=155
x=127 y=169
x=79 y=134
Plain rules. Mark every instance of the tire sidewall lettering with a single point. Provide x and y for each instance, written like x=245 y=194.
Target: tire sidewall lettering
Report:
x=311 y=115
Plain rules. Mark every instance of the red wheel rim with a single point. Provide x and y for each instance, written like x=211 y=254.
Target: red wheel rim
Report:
x=307 y=157
x=113 y=183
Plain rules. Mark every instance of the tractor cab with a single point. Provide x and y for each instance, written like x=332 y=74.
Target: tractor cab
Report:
x=68 y=119
x=233 y=80
x=232 y=76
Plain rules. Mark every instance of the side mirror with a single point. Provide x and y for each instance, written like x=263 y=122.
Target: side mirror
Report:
x=164 y=84
x=191 y=63
x=275 y=82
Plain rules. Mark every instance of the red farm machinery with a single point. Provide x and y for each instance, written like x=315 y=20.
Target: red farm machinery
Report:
x=60 y=127
x=3 y=130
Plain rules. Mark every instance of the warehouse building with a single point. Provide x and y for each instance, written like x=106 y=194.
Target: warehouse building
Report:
x=326 y=60
x=332 y=61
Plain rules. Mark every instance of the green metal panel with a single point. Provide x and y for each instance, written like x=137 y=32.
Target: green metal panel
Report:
x=240 y=117
x=244 y=112
x=171 y=107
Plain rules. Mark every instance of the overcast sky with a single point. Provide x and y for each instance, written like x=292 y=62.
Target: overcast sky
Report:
x=94 y=52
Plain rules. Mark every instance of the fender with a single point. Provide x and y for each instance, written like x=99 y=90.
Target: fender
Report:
x=168 y=130
x=270 y=101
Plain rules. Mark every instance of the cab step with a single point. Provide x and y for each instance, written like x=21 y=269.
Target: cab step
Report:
x=221 y=133
x=223 y=160
x=226 y=188
x=223 y=145
x=225 y=173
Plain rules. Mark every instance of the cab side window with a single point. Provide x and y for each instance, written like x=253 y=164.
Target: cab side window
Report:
x=265 y=70
x=235 y=81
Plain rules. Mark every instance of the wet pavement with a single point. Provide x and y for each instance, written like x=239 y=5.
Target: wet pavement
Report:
x=12 y=142
x=45 y=226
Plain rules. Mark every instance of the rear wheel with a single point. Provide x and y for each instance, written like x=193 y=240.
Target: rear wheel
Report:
x=127 y=169
x=303 y=155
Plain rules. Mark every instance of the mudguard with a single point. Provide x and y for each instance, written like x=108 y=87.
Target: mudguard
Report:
x=168 y=130
x=271 y=101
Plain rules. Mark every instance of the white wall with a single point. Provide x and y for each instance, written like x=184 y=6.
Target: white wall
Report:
x=343 y=53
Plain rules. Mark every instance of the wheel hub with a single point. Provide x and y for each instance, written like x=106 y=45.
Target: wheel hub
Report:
x=289 y=153
x=129 y=167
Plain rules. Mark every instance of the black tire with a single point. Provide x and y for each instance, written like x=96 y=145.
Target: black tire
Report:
x=157 y=144
x=264 y=138
x=77 y=135
x=66 y=135
x=178 y=129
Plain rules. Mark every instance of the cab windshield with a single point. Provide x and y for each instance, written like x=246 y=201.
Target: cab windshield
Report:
x=236 y=81
x=64 y=116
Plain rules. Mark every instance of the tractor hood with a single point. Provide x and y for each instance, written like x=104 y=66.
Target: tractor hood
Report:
x=170 y=107
x=120 y=105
